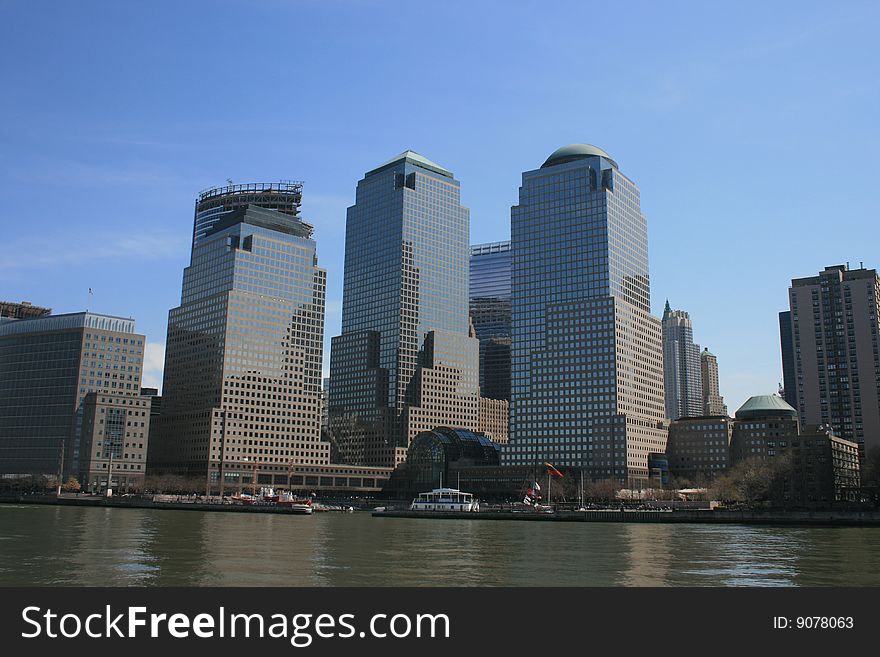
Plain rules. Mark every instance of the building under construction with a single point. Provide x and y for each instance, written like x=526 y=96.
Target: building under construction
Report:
x=212 y=204
x=23 y=310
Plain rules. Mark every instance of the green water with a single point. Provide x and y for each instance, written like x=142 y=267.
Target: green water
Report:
x=44 y=545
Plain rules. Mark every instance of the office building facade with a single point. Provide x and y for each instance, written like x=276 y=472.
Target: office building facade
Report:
x=494 y=420
x=587 y=361
x=698 y=448
x=115 y=439
x=407 y=358
x=490 y=314
x=242 y=382
x=711 y=399
x=834 y=333
x=682 y=374
x=48 y=365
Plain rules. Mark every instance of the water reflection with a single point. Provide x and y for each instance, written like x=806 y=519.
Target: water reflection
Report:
x=120 y=547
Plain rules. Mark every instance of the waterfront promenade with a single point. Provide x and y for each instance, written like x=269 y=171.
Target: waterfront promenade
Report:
x=825 y=518
x=817 y=517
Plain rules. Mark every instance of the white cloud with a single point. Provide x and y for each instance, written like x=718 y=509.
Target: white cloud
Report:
x=154 y=365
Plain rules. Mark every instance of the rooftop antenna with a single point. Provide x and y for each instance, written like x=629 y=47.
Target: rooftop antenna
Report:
x=90 y=300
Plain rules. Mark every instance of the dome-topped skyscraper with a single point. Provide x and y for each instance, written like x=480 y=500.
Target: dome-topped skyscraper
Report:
x=574 y=152
x=587 y=365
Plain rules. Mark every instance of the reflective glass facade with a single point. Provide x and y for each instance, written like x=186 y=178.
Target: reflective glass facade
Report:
x=786 y=340
x=490 y=314
x=432 y=452
x=242 y=384
x=405 y=361
x=587 y=373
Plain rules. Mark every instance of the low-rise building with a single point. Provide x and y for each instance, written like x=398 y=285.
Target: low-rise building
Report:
x=115 y=436
x=48 y=364
x=819 y=468
x=698 y=448
x=824 y=467
x=440 y=455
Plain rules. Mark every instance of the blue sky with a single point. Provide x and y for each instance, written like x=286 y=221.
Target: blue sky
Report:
x=751 y=129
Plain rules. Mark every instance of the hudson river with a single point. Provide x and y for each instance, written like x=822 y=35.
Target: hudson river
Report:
x=45 y=545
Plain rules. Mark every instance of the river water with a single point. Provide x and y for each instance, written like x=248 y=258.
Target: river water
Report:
x=46 y=545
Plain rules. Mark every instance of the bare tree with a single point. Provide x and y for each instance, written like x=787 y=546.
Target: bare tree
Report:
x=603 y=490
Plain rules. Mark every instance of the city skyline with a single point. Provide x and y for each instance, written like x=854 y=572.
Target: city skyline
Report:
x=689 y=125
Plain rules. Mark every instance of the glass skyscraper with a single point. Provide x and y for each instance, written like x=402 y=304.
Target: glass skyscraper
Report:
x=406 y=360
x=587 y=365
x=682 y=374
x=242 y=388
x=789 y=378
x=490 y=313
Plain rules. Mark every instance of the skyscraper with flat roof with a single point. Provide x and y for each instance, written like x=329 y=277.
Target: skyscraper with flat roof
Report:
x=490 y=314
x=789 y=376
x=682 y=377
x=242 y=383
x=48 y=365
x=834 y=333
x=587 y=363
x=406 y=360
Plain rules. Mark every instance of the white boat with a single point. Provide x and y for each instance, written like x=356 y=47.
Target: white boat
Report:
x=445 y=499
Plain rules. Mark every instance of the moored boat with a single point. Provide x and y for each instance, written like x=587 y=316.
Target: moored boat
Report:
x=445 y=499
x=268 y=497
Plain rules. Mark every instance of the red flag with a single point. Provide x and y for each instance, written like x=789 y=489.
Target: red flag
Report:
x=553 y=472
